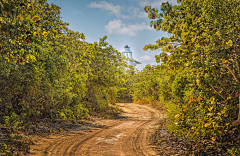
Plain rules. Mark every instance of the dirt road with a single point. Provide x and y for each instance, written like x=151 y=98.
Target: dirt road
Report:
x=125 y=136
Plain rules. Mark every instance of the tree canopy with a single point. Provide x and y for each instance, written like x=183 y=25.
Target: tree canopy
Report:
x=49 y=71
x=201 y=56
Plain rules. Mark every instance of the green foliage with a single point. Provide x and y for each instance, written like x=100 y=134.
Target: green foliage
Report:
x=65 y=70
x=180 y=85
x=13 y=122
x=80 y=112
x=5 y=149
x=49 y=71
x=73 y=114
x=202 y=53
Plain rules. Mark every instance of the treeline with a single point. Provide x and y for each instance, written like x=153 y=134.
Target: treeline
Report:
x=198 y=78
x=48 y=71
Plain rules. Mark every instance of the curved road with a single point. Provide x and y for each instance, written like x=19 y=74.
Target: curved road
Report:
x=126 y=136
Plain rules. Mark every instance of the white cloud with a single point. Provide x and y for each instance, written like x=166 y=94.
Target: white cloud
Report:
x=145 y=58
x=136 y=13
x=155 y=3
x=117 y=27
x=141 y=66
x=114 y=9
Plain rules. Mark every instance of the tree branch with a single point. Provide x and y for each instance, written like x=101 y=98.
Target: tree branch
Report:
x=237 y=66
x=234 y=75
x=237 y=122
x=217 y=91
x=219 y=81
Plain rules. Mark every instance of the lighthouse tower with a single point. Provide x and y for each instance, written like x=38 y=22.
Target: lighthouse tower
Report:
x=128 y=54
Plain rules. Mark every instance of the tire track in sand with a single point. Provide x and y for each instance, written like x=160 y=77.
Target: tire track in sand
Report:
x=77 y=145
x=136 y=144
x=63 y=146
x=127 y=137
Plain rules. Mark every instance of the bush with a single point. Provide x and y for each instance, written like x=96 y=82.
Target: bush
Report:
x=73 y=114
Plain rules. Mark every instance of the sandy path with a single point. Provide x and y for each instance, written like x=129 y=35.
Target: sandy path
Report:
x=127 y=136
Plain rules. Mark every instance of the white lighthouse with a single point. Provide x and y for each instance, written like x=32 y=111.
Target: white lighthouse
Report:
x=128 y=54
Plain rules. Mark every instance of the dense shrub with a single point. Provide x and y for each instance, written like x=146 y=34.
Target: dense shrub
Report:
x=50 y=72
x=200 y=62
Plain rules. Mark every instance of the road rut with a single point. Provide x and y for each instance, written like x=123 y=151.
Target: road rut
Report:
x=125 y=136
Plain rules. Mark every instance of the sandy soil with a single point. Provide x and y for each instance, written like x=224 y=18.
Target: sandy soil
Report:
x=126 y=136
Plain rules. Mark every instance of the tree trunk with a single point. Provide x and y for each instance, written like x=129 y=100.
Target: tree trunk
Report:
x=237 y=122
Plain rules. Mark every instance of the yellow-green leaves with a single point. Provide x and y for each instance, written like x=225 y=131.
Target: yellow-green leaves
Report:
x=147 y=8
x=35 y=18
x=145 y=48
x=51 y=68
x=207 y=43
x=20 y=28
x=229 y=43
x=157 y=57
x=184 y=36
x=45 y=33
x=151 y=23
x=179 y=1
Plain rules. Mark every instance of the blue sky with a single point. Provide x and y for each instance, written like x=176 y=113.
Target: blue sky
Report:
x=123 y=21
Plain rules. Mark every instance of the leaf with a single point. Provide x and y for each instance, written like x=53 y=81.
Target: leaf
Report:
x=35 y=18
x=183 y=37
x=213 y=138
x=45 y=34
x=190 y=100
x=147 y=8
x=230 y=43
x=157 y=58
x=145 y=48
x=151 y=23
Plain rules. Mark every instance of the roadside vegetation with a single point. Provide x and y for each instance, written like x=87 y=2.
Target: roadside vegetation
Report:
x=199 y=73
x=49 y=73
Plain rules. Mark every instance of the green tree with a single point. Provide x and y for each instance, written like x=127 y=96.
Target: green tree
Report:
x=205 y=41
x=50 y=71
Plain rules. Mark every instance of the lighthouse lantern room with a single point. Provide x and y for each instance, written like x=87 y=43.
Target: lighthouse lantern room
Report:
x=128 y=54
